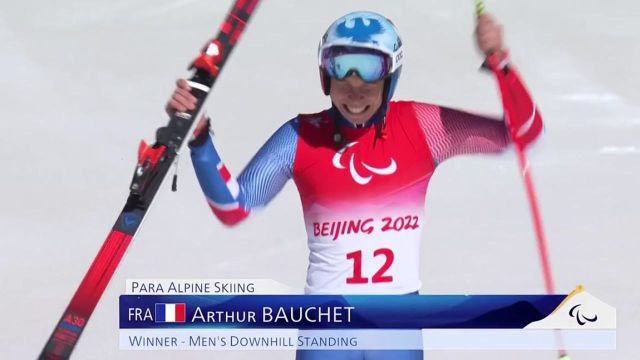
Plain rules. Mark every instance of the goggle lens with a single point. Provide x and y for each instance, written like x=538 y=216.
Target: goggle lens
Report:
x=369 y=66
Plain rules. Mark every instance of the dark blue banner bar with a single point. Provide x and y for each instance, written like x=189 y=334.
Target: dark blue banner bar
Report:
x=336 y=312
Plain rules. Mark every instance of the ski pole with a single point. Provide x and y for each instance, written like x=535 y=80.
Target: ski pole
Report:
x=535 y=213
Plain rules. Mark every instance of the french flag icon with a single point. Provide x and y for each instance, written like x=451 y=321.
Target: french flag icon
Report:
x=170 y=313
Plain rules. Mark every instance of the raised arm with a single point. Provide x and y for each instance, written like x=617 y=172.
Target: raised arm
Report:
x=233 y=200
x=451 y=132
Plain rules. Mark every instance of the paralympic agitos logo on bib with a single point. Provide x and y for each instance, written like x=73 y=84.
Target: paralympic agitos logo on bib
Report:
x=359 y=178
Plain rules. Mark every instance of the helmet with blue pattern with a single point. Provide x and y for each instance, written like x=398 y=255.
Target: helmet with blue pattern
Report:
x=365 y=43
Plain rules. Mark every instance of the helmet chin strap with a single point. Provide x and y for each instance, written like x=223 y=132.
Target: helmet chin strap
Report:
x=381 y=126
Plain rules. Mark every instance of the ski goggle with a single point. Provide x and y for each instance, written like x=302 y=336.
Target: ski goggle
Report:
x=369 y=65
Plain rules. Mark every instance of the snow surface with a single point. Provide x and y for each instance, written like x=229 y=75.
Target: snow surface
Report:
x=84 y=80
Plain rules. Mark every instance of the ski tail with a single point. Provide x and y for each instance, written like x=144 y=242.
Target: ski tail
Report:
x=154 y=163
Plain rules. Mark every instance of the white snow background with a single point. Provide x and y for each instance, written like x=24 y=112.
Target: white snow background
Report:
x=82 y=81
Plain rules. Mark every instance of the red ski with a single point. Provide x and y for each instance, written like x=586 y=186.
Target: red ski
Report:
x=154 y=163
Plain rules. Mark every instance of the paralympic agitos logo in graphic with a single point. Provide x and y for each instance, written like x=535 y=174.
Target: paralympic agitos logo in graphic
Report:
x=357 y=177
x=581 y=318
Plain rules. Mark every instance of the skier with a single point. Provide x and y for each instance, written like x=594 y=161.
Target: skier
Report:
x=361 y=167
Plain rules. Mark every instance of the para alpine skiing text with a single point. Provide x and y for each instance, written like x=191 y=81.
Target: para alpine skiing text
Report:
x=335 y=229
